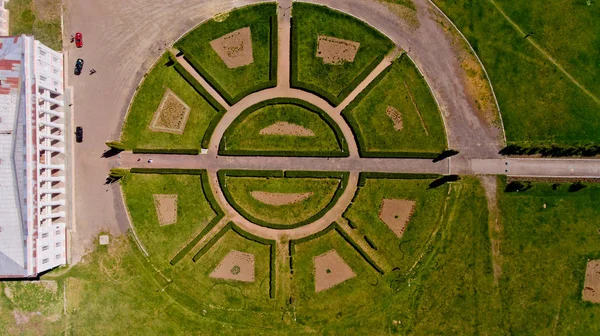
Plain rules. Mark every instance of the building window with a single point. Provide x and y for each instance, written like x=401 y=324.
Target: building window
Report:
x=57 y=232
x=43 y=78
x=45 y=261
x=57 y=244
x=55 y=59
x=45 y=235
x=42 y=53
x=55 y=70
x=45 y=248
x=58 y=256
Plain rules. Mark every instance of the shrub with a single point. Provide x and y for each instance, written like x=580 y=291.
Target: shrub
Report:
x=181 y=151
x=117 y=145
x=362 y=177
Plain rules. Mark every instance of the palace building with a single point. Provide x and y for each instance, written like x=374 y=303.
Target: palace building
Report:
x=33 y=186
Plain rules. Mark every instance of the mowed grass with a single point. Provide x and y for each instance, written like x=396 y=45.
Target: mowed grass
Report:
x=237 y=81
x=333 y=82
x=245 y=135
x=193 y=212
x=404 y=89
x=136 y=130
x=323 y=190
x=193 y=278
x=544 y=255
x=397 y=252
x=539 y=103
x=41 y=19
x=345 y=301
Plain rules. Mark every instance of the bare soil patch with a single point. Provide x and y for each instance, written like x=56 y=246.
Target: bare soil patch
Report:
x=235 y=266
x=171 y=115
x=286 y=128
x=271 y=198
x=235 y=48
x=336 y=51
x=47 y=10
x=166 y=208
x=396 y=117
x=396 y=214
x=591 y=286
x=330 y=270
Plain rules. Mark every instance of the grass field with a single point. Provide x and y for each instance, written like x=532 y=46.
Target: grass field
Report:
x=403 y=88
x=38 y=18
x=544 y=253
x=332 y=82
x=539 y=103
x=323 y=190
x=398 y=252
x=234 y=83
x=244 y=133
x=193 y=212
x=193 y=277
x=136 y=130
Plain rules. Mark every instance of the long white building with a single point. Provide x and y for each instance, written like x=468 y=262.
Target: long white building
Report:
x=33 y=192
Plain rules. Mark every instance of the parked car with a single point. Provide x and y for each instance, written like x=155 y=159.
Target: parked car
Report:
x=78 y=66
x=79 y=134
x=78 y=40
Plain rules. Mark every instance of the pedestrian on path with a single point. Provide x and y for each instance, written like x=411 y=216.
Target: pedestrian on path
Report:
x=92 y=71
x=150 y=160
x=72 y=38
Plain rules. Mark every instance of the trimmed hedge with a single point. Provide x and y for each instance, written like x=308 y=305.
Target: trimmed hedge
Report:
x=181 y=151
x=272 y=70
x=330 y=98
x=339 y=135
x=168 y=171
x=553 y=150
x=351 y=224
x=212 y=242
x=362 y=177
x=314 y=174
x=293 y=243
x=358 y=249
x=221 y=174
x=370 y=243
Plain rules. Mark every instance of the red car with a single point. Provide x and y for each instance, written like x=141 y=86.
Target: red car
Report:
x=78 y=40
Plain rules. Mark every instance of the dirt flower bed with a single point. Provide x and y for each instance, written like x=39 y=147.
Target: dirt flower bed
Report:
x=276 y=199
x=166 y=208
x=396 y=214
x=396 y=117
x=235 y=266
x=591 y=286
x=336 y=51
x=235 y=48
x=330 y=270
x=172 y=114
x=286 y=128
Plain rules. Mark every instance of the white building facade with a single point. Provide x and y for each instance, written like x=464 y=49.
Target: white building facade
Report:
x=33 y=158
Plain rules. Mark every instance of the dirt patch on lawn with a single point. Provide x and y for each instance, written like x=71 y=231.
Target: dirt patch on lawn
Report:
x=47 y=10
x=166 y=208
x=396 y=117
x=591 y=287
x=171 y=115
x=286 y=128
x=235 y=48
x=271 y=198
x=336 y=51
x=396 y=214
x=330 y=270
x=235 y=266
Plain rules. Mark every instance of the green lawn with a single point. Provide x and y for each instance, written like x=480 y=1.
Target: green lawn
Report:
x=240 y=188
x=422 y=126
x=234 y=84
x=332 y=82
x=539 y=104
x=347 y=300
x=136 y=130
x=193 y=278
x=243 y=136
x=38 y=18
x=394 y=251
x=544 y=253
x=193 y=212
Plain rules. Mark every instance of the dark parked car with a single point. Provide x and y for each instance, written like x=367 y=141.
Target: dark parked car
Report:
x=78 y=40
x=78 y=66
x=79 y=134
